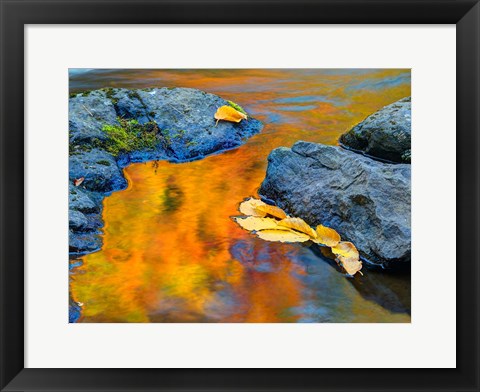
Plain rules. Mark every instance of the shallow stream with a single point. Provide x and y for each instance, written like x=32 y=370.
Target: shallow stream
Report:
x=171 y=252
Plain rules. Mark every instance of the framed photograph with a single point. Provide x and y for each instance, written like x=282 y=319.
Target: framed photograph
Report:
x=240 y=196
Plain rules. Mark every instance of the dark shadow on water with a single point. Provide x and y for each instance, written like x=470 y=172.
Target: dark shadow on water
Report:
x=389 y=289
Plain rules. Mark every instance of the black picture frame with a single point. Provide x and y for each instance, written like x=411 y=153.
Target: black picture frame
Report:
x=15 y=14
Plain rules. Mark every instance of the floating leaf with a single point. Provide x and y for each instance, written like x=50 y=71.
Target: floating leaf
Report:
x=348 y=257
x=282 y=236
x=256 y=223
x=249 y=207
x=292 y=229
x=271 y=210
x=298 y=224
x=227 y=113
x=350 y=264
x=327 y=236
x=78 y=181
x=346 y=249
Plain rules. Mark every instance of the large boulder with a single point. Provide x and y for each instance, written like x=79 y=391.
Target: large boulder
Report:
x=386 y=134
x=366 y=201
x=185 y=117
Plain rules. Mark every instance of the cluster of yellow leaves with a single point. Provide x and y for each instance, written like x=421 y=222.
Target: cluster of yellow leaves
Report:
x=227 y=113
x=271 y=223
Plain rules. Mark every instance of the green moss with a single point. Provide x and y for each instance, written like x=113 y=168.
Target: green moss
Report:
x=76 y=149
x=166 y=135
x=129 y=136
x=132 y=94
x=191 y=143
x=237 y=107
x=104 y=163
x=179 y=134
x=110 y=93
x=80 y=94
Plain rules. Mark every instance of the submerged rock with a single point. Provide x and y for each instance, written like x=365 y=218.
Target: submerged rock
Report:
x=386 y=134
x=175 y=124
x=366 y=201
x=82 y=243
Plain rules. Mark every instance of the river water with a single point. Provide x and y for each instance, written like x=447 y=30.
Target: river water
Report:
x=171 y=252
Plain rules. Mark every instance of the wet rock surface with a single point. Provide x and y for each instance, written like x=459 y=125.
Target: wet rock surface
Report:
x=366 y=201
x=386 y=134
x=99 y=170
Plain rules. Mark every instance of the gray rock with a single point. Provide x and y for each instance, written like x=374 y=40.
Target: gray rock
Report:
x=82 y=243
x=99 y=169
x=87 y=114
x=385 y=134
x=77 y=221
x=80 y=199
x=185 y=117
x=366 y=201
x=94 y=221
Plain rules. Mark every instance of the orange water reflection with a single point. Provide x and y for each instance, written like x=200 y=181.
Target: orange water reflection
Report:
x=171 y=252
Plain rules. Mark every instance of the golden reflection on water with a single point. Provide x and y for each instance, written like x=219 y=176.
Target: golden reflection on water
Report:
x=171 y=252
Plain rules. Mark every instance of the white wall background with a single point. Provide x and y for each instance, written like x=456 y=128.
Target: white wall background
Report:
x=429 y=341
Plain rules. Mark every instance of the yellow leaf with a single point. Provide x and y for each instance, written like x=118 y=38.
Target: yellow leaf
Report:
x=298 y=224
x=327 y=236
x=255 y=223
x=346 y=249
x=227 y=113
x=271 y=210
x=282 y=236
x=350 y=264
x=249 y=207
